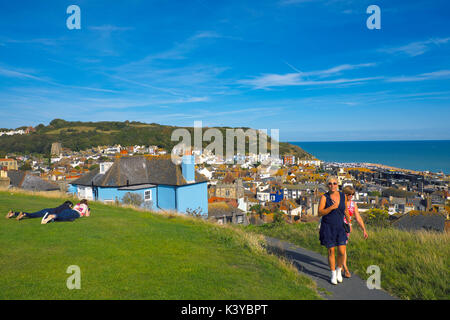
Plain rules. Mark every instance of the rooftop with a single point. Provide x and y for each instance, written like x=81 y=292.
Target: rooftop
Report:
x=138 y=170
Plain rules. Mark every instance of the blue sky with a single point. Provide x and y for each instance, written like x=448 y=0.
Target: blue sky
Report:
x=310 y=68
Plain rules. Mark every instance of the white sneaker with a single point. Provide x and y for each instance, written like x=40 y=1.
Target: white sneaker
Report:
x=339 y=274
x=333 y=277
x=45 y=220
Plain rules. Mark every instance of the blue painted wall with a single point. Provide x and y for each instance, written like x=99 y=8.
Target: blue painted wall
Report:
x=112 y=193
x=193 y=196
x=72 y=189
x=276 y=196
x=166 y=197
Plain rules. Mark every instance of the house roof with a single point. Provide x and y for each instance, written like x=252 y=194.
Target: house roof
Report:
x=35 y=183
x=93 y=176
x=398 y=201
x=138 y=187
x=425 y=221
x=16 y=177
x=220 y=209
x=138 y=170
x=24 y=180
x=229 y=179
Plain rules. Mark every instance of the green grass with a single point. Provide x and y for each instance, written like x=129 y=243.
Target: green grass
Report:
x=414 y=265
x=129 y=254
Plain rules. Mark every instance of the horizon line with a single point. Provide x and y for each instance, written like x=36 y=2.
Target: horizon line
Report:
x=366 y=140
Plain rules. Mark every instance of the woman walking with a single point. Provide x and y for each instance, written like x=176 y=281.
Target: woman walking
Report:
x=332 y=209
x=353 y=212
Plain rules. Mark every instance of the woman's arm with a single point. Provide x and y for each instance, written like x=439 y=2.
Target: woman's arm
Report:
x=322 y=211
x=347 y=214
x=360 y=221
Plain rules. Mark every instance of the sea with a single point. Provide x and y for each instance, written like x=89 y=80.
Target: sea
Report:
x=421 y=155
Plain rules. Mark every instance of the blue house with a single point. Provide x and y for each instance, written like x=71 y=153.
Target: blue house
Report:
x=161 y=184
x=276 y=196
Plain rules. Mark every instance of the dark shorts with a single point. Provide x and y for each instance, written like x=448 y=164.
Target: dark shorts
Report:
x=332 y=236
x=67 y=215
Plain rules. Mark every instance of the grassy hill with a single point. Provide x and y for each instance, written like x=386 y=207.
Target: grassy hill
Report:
x=129 y=254
x=414 y=265
x=77 y=135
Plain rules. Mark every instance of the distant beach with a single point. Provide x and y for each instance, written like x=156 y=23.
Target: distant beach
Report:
x=421 y=155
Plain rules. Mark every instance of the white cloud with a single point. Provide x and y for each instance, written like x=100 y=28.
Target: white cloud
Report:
x=302 y=78
x=436 y=75
x=290 y=2
x=416 y=48
x=338 y=69
x=180 y=50
x=18 y=74
x=109 y=28
x=27 y=75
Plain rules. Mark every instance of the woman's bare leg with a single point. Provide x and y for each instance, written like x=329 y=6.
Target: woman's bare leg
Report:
x=347 y=272
x=20 y=216
x=48 y=219
x=341 y=256
x=331 y=259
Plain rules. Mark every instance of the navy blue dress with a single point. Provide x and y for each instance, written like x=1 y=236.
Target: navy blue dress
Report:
x=332 y=232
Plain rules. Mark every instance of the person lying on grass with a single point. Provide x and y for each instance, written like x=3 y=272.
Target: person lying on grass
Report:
x=80 y=210
x=39 y=214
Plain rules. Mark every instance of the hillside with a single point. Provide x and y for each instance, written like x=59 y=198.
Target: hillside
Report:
x=78 y=136
x=128 y=254
x=414 y=265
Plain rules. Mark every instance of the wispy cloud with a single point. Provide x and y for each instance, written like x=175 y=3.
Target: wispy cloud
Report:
x=338 y=69
x=416 y=48
x=290 y=2
x=294 y=79
x=109 y=28
x=19 y=74
x=186 y=80
x=436 y=75
x=180 y=50
x=39 y=41
x=303 y=78
x=28 y=75
x=322 y=2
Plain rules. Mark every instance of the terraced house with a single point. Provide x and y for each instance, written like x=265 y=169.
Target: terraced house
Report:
x=10 y=164
x=161 y=184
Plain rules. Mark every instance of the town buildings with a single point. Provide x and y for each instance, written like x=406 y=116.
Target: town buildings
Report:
x=284 y=184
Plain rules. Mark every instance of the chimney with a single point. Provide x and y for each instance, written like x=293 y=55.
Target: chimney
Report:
x=188 y=167
x=104 y=167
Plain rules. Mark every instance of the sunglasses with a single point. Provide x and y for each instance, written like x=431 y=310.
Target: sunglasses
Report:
x=331 y=183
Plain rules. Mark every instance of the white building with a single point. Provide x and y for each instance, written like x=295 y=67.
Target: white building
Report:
x=263 y=196
x=314 y=162
x=206 y=173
